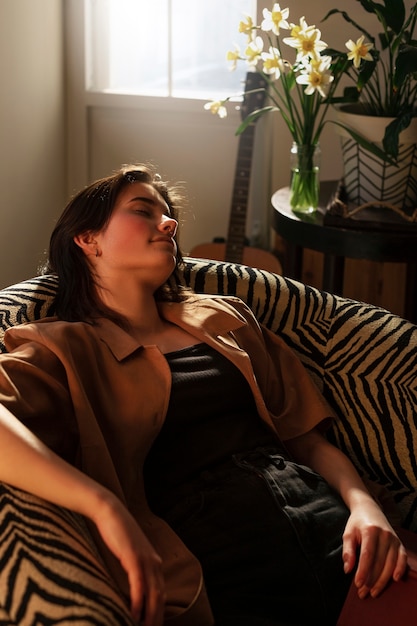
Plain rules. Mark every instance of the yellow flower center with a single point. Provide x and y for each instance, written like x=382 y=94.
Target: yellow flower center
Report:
x=363 y=50
x=308 y=45
x=315 y=79
x=276 y=17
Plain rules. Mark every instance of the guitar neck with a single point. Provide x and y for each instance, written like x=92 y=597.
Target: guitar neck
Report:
x=236 y=236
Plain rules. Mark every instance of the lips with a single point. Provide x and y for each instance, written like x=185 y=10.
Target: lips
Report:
x=164 y=240
x=169 y=240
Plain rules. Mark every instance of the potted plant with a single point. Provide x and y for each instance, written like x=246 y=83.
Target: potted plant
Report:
x=299 y=85
x=380 y=106
x=303 y=76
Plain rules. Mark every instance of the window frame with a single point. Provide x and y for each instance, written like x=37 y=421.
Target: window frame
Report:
x=97 y=75
x=81 y=100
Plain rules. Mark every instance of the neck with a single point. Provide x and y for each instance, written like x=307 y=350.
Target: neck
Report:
x=137 y=306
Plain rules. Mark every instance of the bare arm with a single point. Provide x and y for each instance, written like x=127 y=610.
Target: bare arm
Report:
x=26 y=463
x=382 y=555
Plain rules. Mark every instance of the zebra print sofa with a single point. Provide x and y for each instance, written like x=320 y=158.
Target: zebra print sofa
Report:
x=363 y=358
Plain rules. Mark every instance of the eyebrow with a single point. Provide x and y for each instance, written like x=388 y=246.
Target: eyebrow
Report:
x=152 y=202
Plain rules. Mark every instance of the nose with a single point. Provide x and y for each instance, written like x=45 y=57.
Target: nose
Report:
x=169 y=225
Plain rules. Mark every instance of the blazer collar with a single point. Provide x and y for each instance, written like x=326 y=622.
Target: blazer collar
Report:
x=201 y=315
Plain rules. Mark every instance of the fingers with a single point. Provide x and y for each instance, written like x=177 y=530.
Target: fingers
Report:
x=154 y=614
x=349 y=553
x=367 y=559
x=402 y=564
x=382 y=558
x=155 y=600
x=390 y=564
x=147 y=592
x=136 y=595
x=126 y=540
x=395 y=561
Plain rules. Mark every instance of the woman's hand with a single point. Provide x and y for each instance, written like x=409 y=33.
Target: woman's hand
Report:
x=128 y=543
x=52 y=478
x=382 y=557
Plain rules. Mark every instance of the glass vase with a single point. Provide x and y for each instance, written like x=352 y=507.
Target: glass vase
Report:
x=305 y=178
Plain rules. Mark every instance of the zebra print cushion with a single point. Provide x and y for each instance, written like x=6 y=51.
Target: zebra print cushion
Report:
x=363 y=358
x=50 y=571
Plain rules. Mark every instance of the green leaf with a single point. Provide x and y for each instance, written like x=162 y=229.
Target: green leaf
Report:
x=348 y=19
x=331 y=12
x=368 y=5
x=395 y=14
x=385 y=39
x=335 y=54
x=366 y=70
x=252 y=118
x=392 y=12
x=406 y=64
x=392 y=133
x=339 y=60
x=351 y=94
x=291 y=79
x=368 y=145
x=411 y=22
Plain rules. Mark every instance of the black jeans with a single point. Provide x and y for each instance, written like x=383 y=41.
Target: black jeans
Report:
x=268 y=533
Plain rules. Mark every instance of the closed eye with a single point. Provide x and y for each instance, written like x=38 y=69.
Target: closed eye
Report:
x=145 y=212
x=149 y=205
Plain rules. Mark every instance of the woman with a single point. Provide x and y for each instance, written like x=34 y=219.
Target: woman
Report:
x=172 y=421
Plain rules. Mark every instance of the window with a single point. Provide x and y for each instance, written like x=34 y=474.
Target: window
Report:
x=164 y=48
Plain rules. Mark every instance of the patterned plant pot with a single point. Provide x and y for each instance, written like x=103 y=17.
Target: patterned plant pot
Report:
x=370 y=179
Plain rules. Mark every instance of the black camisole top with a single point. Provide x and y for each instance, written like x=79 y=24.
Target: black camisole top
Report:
x=211 y=416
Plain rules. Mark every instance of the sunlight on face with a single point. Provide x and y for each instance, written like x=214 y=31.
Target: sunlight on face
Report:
x=140 y=233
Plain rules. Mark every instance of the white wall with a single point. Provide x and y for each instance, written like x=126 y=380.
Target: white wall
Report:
x=186 y=146
x=32 y=137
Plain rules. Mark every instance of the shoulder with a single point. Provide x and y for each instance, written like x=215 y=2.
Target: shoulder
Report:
x=217 y=309
x=79 y=342
x=249 y=324
x=46 y=331
x=219 y=302
x=49 y=326
x=212 y=314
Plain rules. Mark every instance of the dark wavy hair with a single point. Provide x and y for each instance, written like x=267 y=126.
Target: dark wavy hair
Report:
x=90 y=210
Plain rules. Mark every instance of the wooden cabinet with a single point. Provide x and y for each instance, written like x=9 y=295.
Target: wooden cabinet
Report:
x=383 y=284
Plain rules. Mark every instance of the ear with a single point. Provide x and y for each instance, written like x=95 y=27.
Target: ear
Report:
x=87 y=243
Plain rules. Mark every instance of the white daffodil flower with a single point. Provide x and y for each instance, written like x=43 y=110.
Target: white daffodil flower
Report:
x=234 y=56
x=306 y=40
x=316 y=76
x=254 y=50
x=217 y=108
x=275 y=19
x=359 y=51
x=247 y=27
x=272 y=63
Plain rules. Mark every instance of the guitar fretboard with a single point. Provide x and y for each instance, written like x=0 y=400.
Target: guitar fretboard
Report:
x=236 y=236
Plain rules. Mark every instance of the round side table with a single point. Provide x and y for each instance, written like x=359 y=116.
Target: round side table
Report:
x=336 y=243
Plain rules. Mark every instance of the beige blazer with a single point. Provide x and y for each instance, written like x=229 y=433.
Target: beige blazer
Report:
x=99 y=398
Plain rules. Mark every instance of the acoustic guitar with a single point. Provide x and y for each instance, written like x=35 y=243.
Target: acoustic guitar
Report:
x=235 y=248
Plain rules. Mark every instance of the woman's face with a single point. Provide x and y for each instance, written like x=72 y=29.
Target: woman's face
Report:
x=139 y=236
